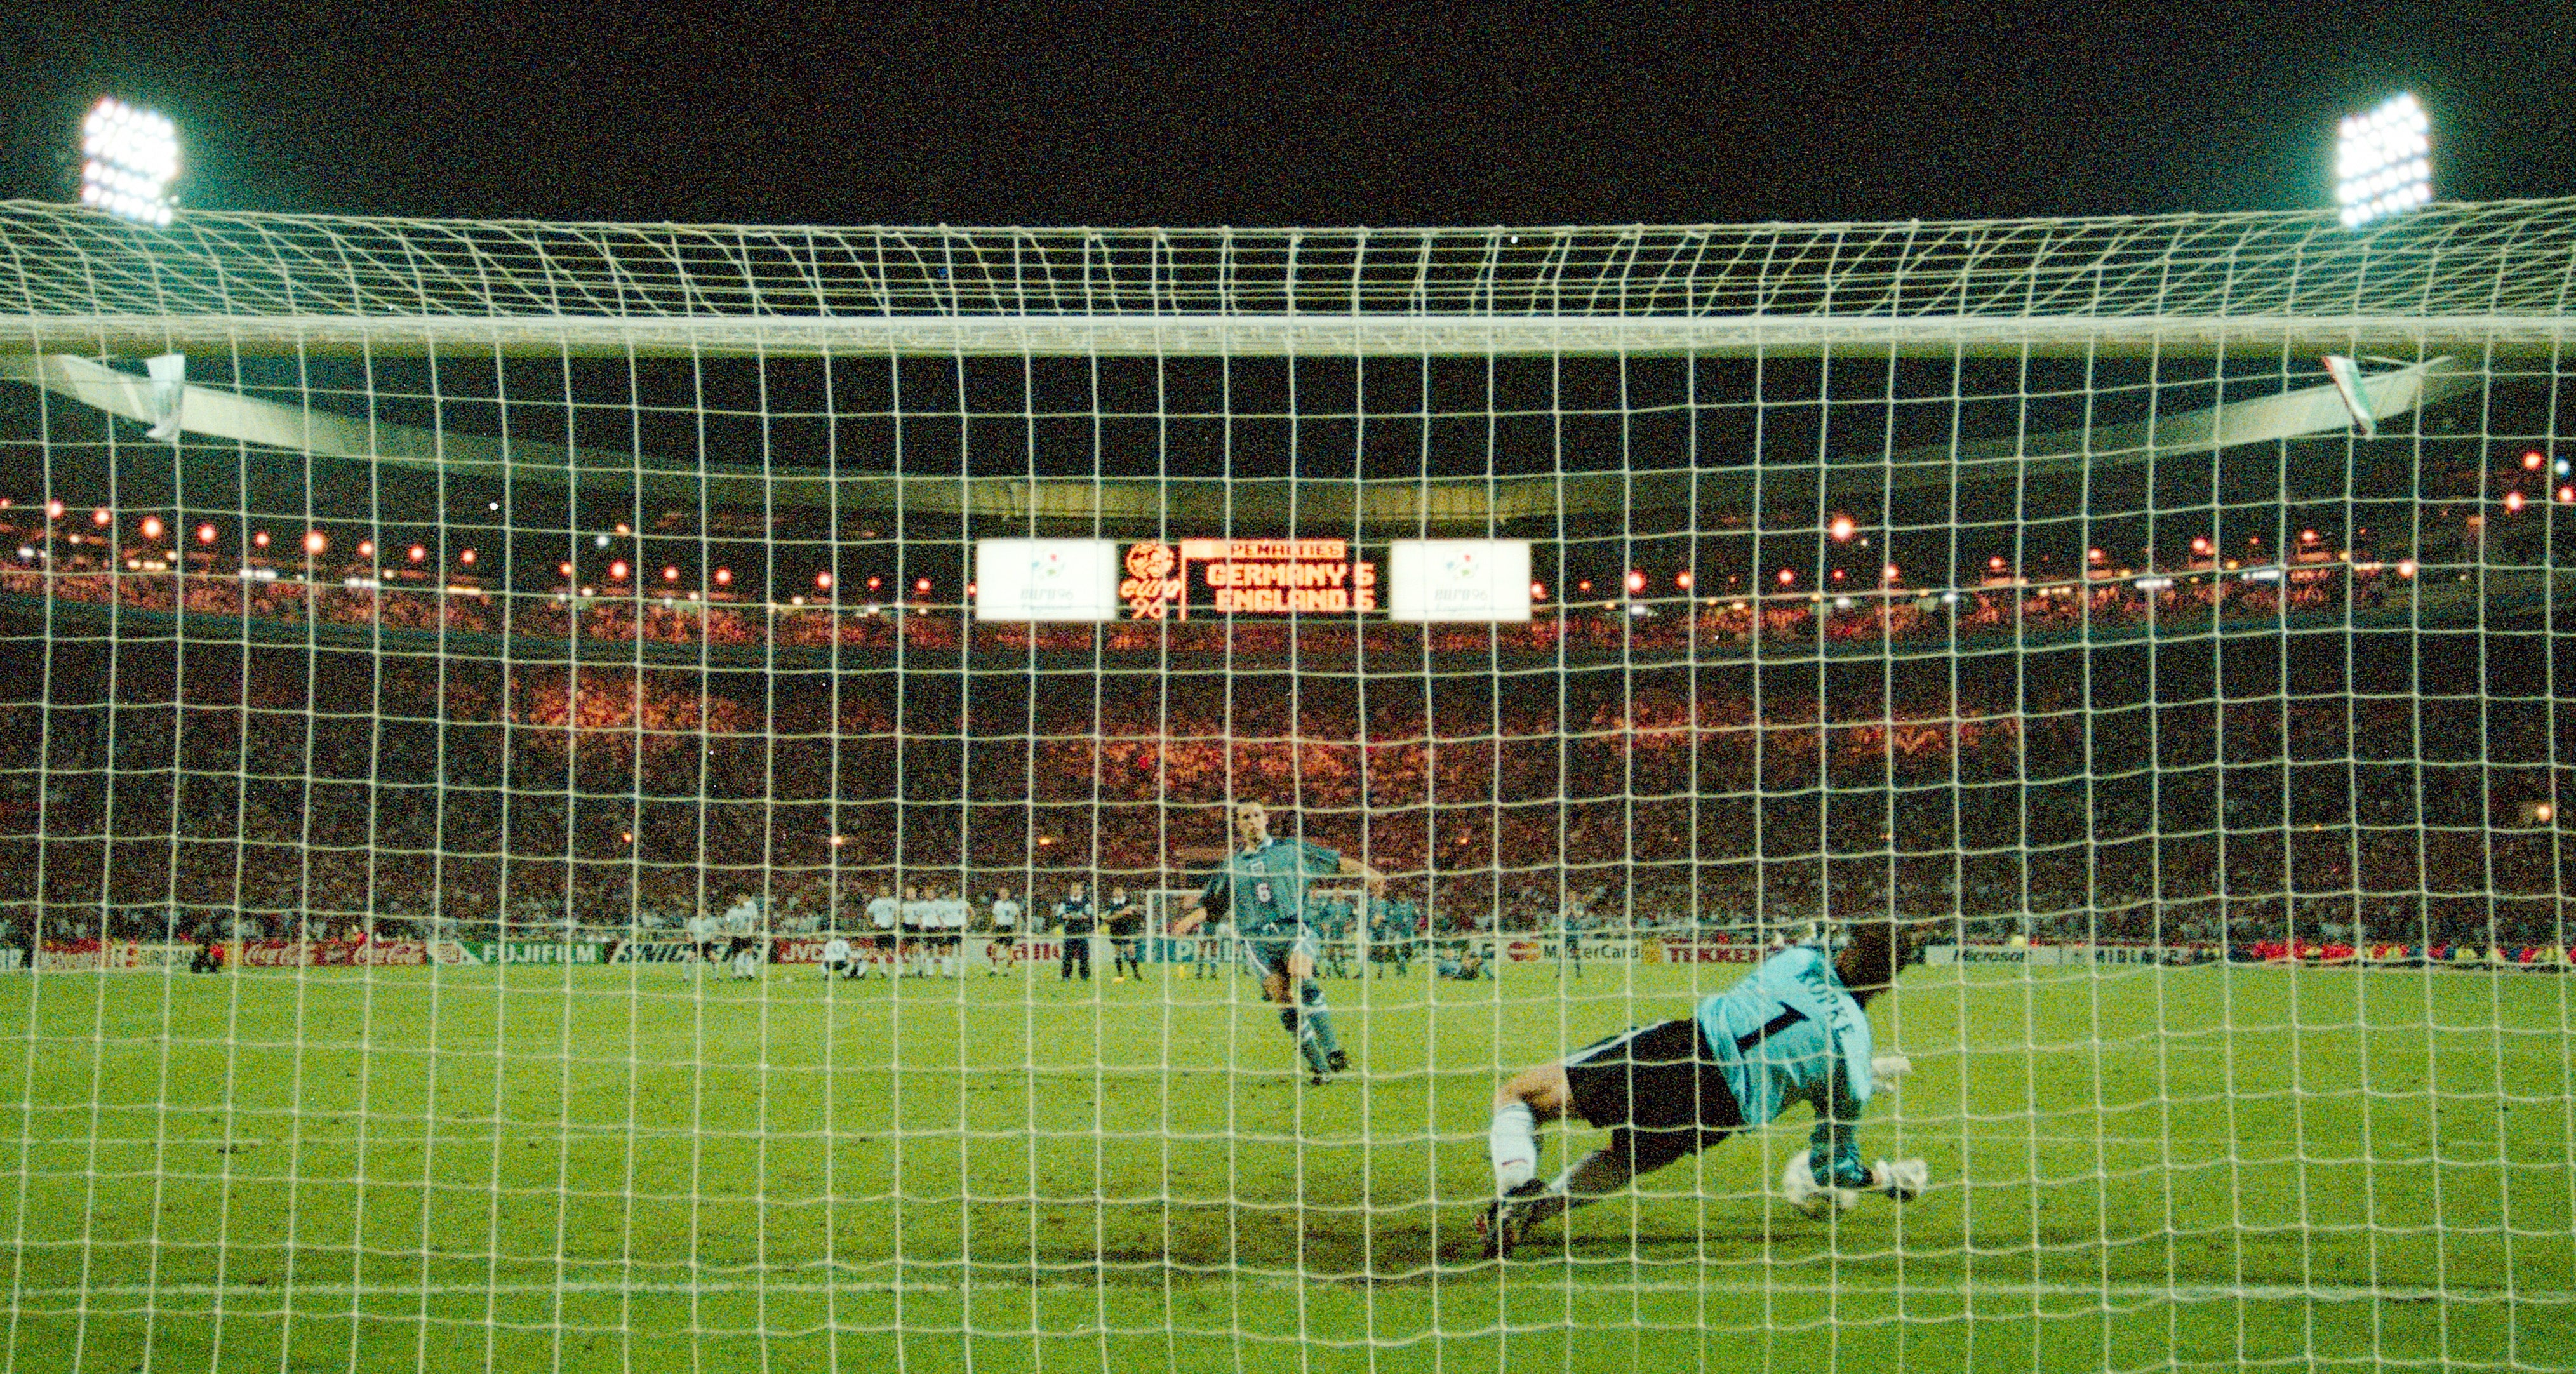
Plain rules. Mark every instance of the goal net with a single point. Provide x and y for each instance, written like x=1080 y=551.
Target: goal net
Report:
x=471 y=684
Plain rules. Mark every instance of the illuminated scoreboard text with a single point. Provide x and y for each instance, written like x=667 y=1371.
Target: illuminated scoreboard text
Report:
x=1247 y=577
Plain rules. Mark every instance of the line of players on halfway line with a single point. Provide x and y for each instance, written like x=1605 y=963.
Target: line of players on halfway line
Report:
x=924 y=933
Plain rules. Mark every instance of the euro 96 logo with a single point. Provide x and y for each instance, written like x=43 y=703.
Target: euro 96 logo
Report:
x=1153 y=583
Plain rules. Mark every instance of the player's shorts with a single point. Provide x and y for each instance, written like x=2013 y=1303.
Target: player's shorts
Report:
x=834 y=968
x=1266 y=952
x=887 y=939
x=706 y=950
x=1657 y=1089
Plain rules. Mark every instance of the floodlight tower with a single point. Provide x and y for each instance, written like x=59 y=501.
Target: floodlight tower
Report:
x=2384 y=161
x=128 y=159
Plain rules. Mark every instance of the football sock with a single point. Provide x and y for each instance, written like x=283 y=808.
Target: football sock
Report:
x=1513 y=1144
x=1319 y=1016
x=1310 y=1047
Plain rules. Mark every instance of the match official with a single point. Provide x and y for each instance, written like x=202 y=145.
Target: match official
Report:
x=1074 y=920
x=1125 y=922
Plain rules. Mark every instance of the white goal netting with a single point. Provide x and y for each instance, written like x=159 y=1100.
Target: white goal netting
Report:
x=517 y=849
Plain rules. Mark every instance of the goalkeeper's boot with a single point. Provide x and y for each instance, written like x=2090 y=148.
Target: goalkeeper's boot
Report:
x=1505 y=1218
x=1338 y=1061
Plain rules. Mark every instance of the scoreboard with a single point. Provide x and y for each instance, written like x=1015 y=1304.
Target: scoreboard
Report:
x=1247 y=577
x=1096 y=579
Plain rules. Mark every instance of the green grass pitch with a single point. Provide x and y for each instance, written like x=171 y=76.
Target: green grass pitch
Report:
x=630 y=1169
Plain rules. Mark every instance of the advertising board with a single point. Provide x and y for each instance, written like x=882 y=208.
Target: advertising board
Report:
x=1046 y=579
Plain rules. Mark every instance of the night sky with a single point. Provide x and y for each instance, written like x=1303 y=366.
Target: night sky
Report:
x=1251 y=115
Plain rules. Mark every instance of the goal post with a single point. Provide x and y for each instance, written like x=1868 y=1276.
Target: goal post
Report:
x=415 y=626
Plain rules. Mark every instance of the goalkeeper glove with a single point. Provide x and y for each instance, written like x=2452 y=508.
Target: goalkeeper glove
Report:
x=1901 y=1180
x=1798 y=1184
x=1885 y=1069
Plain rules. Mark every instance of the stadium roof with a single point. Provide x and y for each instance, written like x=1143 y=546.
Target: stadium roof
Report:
x=76 y=286
x=365 y=444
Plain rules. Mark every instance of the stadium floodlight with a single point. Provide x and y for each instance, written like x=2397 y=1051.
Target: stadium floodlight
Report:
x=2384 y=162
x=129 y=157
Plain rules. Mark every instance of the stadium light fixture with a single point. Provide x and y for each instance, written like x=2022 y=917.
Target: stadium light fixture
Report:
x=2383 y=162
x=129 y=157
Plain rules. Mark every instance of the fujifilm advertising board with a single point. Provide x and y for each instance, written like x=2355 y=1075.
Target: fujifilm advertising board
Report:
x=1046 y=579
x=1458 y=579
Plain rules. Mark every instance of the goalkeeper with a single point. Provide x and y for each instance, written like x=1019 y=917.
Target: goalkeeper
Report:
x=1264 y=885
x=1793 y=1030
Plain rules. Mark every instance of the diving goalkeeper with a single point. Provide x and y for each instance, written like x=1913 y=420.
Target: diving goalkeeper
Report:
x=1793 y=1030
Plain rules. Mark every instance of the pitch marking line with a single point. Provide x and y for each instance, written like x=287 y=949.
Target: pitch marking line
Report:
x=2338 y=1294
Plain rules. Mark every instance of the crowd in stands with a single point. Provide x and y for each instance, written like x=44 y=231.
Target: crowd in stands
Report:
x=328 y=792
x=1613 y=761
x=2109 y=601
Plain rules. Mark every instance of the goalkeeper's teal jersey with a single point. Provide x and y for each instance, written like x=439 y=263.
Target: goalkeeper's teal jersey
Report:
x=1265 y=888
x=1790 y=1033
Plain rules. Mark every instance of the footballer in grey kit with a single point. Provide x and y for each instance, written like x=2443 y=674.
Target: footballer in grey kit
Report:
x=1263 y=885
x=1793 y=1030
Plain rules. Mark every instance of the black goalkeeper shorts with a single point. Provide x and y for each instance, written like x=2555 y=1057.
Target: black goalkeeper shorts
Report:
x=1658 y=1091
